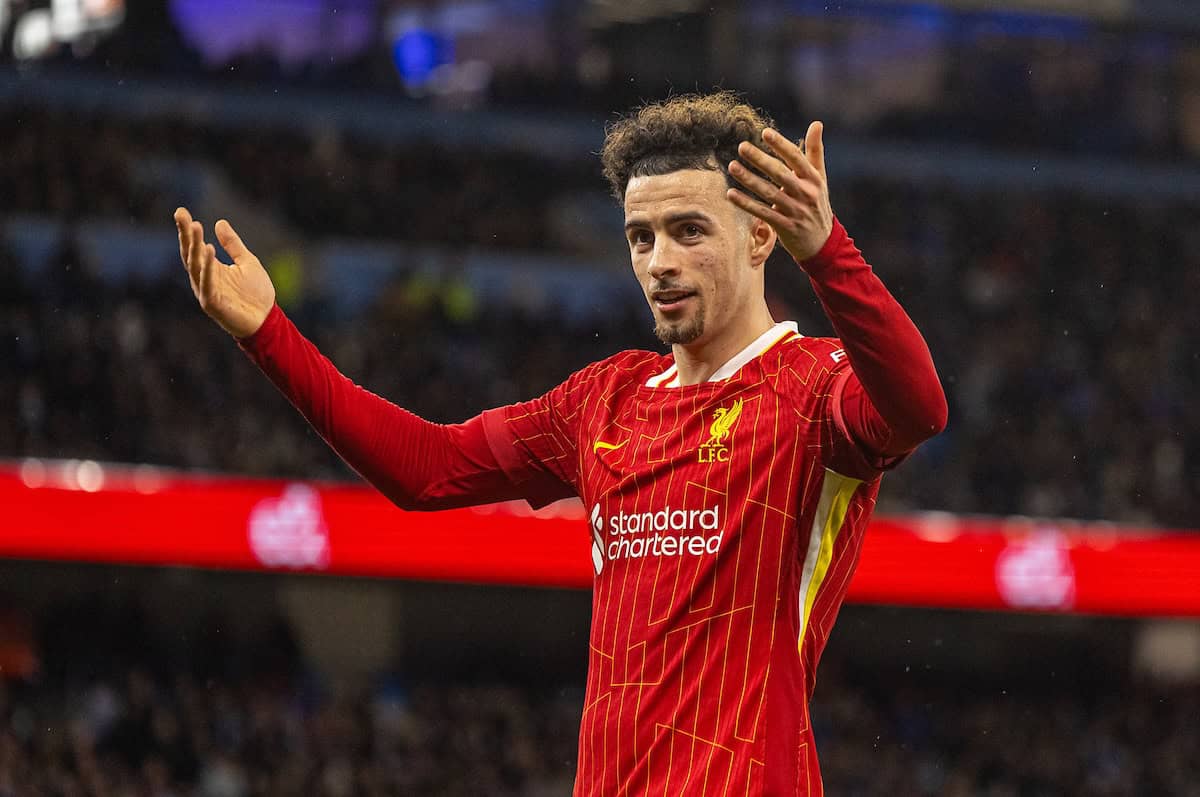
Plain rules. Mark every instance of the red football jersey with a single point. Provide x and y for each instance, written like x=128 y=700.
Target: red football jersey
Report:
x=726 y=518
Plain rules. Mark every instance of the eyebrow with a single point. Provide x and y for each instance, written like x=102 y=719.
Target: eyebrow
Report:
x=674 y=218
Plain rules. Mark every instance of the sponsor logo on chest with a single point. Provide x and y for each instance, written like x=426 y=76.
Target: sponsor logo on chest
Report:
x=666 y=532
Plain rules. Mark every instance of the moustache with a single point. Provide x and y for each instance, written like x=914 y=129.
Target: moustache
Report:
x=663 y=287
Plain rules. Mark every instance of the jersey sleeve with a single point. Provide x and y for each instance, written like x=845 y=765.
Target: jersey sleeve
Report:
x=850 y=411
x=418 y=465
x=823 y=378
x=887 y=398
x=536 y=441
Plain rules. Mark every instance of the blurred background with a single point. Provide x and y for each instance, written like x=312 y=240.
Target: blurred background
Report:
x=421 y=180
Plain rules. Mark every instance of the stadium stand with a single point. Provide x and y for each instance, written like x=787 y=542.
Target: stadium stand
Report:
x=1057 y=295
x=1038 y=308
x=201 y=711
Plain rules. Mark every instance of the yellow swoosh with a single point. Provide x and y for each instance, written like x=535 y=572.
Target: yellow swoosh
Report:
x=600 y=444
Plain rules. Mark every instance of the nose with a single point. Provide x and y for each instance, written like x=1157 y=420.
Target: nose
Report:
x=663 y=262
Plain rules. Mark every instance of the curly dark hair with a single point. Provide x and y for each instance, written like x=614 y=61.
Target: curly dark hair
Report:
x=690 y=131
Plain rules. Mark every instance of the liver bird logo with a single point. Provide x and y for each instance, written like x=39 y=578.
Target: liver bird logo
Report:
x=714 y=450
x=723 y=421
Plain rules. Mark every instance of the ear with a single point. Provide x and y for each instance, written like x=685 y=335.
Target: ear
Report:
x=761 y=240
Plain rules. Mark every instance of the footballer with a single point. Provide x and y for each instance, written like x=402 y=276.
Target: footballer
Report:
x=727 y=482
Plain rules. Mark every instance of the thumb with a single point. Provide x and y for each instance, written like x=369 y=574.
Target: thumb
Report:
x=230 y=241
x=814 y=147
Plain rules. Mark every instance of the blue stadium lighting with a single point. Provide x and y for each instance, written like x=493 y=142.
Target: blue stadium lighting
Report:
x=418 y=52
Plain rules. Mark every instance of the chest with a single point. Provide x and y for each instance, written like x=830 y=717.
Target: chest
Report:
x=644 y=446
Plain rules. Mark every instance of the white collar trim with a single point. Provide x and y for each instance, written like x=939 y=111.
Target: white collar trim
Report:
x=670 y=377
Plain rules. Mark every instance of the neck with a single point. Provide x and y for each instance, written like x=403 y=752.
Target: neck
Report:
x=696 y=362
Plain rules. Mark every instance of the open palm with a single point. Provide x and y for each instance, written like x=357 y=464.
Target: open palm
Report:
x=239 y=296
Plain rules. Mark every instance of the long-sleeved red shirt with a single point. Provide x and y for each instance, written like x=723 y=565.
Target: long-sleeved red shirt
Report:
x=890 y=401
x=726 y=518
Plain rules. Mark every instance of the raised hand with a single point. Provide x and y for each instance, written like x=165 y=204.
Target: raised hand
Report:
x=238 y=297
x=795 y=188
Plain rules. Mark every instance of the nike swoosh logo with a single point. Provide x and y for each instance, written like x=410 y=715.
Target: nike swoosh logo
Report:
x=600 y=445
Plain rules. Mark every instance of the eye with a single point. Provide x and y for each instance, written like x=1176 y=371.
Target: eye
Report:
x=640 y=237
x=691 y=231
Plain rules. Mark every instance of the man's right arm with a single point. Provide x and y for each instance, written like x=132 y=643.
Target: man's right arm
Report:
x=415 y=463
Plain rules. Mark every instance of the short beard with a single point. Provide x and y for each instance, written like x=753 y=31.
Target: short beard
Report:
x=682 y=332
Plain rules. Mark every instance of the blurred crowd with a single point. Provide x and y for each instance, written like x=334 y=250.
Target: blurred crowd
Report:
x=228 y=715
x=320 y=181
x=135 y=373
x=136 y=737
x=989 y=74
x=231 y=715
x=958 y=740
x=1061 y=325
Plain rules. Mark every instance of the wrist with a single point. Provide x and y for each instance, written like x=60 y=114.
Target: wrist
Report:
x=266 y=330
x=827 y=255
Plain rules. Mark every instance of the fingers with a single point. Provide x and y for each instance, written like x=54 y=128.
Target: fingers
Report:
x=195 y=247
x=183 y=221
x=790 y=153
x=230 y=241
x=764 y=189
x=196 y=254
x=757 y=209
x=792 y=175
x=814 y=147
x=773 y=168
x=208 y=256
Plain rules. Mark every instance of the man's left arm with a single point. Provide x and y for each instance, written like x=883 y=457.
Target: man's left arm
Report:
x=892 y=400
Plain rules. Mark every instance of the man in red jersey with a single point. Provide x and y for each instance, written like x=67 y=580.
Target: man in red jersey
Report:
x=728 y=483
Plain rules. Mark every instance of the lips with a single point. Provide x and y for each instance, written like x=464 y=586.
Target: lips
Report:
x=672 y=299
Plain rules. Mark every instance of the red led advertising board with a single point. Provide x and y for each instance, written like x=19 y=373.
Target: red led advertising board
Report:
x=85 y=511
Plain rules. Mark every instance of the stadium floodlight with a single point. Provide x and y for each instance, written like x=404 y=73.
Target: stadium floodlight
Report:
x=38 y=32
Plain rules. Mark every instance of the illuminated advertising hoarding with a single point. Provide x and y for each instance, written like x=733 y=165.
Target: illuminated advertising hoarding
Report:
x=84 y=511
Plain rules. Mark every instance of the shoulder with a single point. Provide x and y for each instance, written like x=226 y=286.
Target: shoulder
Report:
x=632 y=366
x=633 y=362
x=807 y=364
x=597 y=381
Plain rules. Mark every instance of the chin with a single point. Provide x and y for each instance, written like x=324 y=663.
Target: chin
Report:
x=681 y=332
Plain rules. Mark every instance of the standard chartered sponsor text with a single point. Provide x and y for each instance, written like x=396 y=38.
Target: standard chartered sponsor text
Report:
x=665 y=532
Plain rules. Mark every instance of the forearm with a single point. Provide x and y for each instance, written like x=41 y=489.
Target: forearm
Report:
x=903 y=403
x=415 y=463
